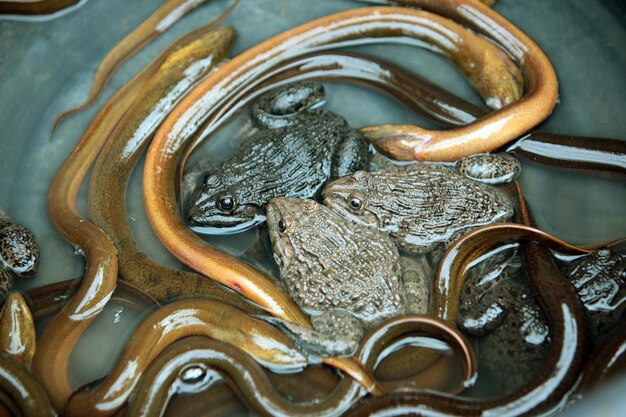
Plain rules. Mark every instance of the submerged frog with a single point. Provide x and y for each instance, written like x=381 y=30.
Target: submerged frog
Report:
x=422 y=206
x=19 y=252
x=295 y=153
x=497 y=306
x=600 y=281
x=347 y=277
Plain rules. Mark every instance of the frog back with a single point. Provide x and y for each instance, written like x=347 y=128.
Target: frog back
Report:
x=292 y=161
x=341 y=265
x=424 y=205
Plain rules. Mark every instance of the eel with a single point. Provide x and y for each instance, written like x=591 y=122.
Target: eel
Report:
x=107 y=189
x=170 y=323
x=161 y=20
x=20 y=392
x=163 y=154
x=608 y=360
x=60 y=336
x=166 y=375
x=25 y=392
x=17 y=330
x=35 y=7
x=408 y=142
x=569 y=333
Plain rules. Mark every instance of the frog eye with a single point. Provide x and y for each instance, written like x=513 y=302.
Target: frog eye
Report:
x=226 y=203
x=282 y=226
x=356 y=203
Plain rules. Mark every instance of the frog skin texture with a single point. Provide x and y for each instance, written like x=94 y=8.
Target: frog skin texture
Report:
x=497 y=306
x=19 y=252
x=600 y=281
x=422 y=206
x=340 y=272
x=293 y=155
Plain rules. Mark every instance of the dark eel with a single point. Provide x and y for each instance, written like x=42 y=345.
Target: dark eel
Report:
x=569 y=333
x=607 y=361
x=35 y=7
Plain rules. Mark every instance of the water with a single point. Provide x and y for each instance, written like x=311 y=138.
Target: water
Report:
x=47 y=67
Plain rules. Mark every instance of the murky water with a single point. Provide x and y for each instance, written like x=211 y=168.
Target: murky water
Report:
x=48 y=67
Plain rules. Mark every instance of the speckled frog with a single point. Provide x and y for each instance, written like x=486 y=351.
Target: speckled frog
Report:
x=296 y=151
x=347 y=277
x=19 y=252
x=600 y=281
x=422 y=206
x=497 y=306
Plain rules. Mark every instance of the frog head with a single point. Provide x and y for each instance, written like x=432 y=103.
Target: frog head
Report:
x=354 y=197
x=216 y=207
x=285 y=217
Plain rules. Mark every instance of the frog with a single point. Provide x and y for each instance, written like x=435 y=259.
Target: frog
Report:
x=296 y=150
x=600 y=281
x=497 y=307
x=19 y=252
x=346 y=276
x=423 y=206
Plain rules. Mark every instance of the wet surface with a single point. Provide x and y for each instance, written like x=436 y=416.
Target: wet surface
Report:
x=47 y=67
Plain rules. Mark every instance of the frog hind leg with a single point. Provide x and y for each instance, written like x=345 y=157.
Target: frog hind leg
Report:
x=491 y=168
x=351 y=155
x=337 y=334
x=278 y=107
x=417 y=277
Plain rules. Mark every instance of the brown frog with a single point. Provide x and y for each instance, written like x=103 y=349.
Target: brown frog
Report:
x=348 y=277
x=422 y=206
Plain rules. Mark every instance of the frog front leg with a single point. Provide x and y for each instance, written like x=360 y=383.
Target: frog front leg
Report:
x=351 y=155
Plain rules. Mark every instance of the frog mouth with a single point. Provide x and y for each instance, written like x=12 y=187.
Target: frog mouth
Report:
x=227 y=227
